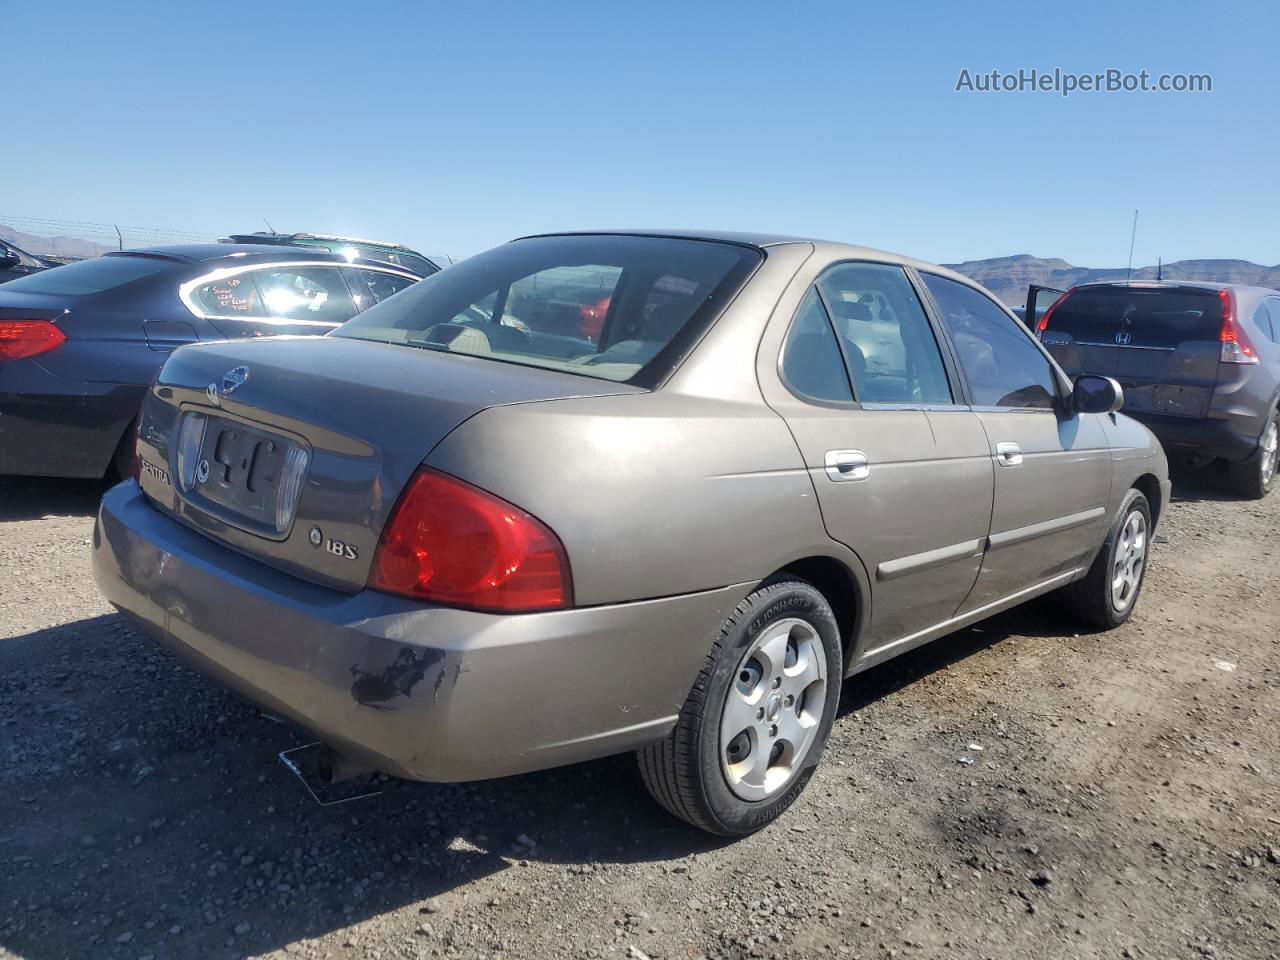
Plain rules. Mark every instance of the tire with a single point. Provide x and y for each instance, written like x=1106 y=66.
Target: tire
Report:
x=728 y=784
x=121 y=467
x=1093 y=599
x=1254 y=477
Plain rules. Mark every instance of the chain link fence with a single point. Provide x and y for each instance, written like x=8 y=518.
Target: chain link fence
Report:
x=79 y=239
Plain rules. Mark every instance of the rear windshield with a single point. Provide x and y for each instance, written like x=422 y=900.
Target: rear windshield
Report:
x=1141 y=317
x=612 y=307
x=90 y=276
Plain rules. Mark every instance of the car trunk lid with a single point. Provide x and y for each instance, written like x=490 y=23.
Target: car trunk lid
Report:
x=1161 y=342
x=294 y=450
x=15 y=305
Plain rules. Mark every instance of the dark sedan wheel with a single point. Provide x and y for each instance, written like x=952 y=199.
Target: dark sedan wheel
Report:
x=121 y=467
x=755 y=724
x=1105 y=598
x=1253 y=478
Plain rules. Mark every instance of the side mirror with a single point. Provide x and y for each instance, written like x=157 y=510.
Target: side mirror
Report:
x=8 y=259
x=1096 y=395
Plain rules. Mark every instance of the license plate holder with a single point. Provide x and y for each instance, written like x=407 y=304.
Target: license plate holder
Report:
x=238 y=472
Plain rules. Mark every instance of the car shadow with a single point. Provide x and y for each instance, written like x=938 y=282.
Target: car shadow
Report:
x=1207 y=484
x=148 y=803
x=1037 y=618
x=30 y=498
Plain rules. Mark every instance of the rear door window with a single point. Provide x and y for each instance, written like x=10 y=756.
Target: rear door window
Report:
x=1002 y=364
x=316 y=294
x=811 y=363
x=892 y=353
x=1138 y=317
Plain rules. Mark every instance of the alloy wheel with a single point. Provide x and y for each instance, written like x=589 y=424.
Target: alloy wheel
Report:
x=1270 y=452
x=1130 y=558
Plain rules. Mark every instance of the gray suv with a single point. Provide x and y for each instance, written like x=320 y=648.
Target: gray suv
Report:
x=457 y=539
x=1199 y=363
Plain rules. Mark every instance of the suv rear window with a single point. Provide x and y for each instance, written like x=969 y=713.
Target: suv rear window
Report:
x=90 y=276
x=612 y=307
x=1150 y=317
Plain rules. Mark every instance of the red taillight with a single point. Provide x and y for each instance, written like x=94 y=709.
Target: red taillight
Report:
x=1043 y=325
x=1236 y=347
x=452 y=543
x=27 y=338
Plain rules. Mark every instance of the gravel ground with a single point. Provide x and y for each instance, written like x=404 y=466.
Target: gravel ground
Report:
x=1017 y=789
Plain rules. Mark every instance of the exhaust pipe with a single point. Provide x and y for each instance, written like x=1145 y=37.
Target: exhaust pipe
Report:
x=334 y=767
x=319 y=766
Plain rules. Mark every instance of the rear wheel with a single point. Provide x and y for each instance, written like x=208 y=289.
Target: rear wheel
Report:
x=1252 y=478
x=1107 y=594
x=121 y=467
x=754 y=726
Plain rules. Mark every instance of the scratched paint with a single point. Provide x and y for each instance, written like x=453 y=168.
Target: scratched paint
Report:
x=397 y=679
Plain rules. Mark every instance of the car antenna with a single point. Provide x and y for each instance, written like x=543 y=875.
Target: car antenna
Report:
x=269 y=226
x=1159 y=269
x=1132 y=237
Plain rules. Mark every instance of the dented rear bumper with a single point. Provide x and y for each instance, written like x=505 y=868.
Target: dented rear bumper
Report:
x=430 y=693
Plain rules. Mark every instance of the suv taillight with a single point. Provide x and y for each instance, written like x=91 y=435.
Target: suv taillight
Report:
x=1043 y=325
x=452 y=543
x=1236 y=347
x=20 y=339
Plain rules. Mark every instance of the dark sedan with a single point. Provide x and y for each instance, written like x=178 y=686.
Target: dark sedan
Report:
x=80 y=343
x=16 y=262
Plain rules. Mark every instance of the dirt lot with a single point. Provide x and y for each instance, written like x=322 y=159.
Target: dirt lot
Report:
x=1124 y=802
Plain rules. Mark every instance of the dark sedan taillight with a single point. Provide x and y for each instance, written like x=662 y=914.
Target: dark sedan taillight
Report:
x=20 y=339
x=452 y=543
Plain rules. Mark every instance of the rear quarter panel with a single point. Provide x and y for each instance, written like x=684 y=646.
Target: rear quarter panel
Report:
x=652 y=495
x=1247 y=393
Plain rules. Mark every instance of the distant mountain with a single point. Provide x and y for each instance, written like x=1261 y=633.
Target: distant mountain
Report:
x=52 y=246
x=1009 y=277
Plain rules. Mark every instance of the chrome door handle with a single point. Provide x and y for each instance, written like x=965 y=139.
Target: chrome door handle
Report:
x=845 y=465
x=1008 y=454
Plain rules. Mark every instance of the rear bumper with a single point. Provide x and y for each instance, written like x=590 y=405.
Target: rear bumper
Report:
x=424 y=692
x=1213 y=438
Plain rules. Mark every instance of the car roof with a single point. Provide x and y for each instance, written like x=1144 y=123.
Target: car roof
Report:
x=284 y=238
x=762 y=241
x=198 y=252
x=385 y=244
x=252 y=253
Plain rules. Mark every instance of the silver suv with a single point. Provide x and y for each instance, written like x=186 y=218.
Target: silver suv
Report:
x=1199 y=363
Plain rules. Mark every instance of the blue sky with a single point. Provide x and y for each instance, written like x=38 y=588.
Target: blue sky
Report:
x=455 y=127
